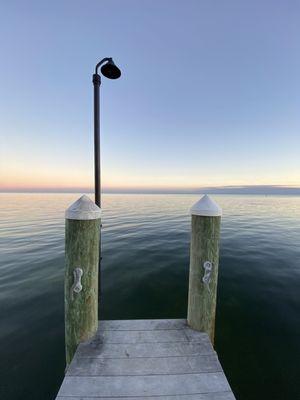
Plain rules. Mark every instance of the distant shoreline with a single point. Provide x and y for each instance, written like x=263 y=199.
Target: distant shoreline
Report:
x=237 y=190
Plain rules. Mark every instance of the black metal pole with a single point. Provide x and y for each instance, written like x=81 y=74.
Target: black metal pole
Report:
x=112 y=72
x=97 y=82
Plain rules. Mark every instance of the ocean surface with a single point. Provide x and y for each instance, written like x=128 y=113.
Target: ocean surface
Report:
x=145 y=275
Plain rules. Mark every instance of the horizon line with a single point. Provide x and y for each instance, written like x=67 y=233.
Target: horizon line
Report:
x=230 y=189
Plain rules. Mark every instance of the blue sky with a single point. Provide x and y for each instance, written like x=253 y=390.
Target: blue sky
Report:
x=209 y=93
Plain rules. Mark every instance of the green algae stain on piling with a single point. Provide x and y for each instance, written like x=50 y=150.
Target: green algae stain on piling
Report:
x=204 y=260
x=81 y=276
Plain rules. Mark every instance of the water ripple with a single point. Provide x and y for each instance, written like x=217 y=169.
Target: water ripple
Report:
x=145 y=242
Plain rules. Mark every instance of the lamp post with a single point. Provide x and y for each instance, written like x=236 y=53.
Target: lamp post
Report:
x=110 y=71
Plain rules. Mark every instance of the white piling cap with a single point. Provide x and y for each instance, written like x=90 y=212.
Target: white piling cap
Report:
x=206 y=207
x=83 y=209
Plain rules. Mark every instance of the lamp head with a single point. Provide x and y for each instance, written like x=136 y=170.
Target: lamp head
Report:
x=110 y=70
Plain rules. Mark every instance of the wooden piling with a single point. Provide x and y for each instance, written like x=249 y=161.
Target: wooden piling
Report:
x=82 y=248
x=204 y=259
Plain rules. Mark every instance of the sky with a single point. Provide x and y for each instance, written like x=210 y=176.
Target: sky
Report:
x=208 y=97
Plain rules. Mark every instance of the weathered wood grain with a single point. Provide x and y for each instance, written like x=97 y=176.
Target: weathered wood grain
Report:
x=202 y=297
x=81 y=309
x=147 y=385
x=161 y=336
x=198 y=396
x=142 y=324
x=147 y=350
x=143 y=366
x=134 y=368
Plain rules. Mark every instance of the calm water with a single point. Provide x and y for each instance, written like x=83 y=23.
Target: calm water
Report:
x=145 y=275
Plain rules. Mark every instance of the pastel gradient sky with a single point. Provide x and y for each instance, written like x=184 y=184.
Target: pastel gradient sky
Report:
x=209 y=94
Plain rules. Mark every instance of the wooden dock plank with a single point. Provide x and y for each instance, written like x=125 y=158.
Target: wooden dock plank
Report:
x=198 y=396
x=108 y=350
x=142 y=324
x=161 y=336
x=143 y=366
x=146 y=385
x=156 y=358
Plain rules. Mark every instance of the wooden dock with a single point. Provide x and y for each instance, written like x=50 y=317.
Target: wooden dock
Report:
x=141 y=359
x=145 y=359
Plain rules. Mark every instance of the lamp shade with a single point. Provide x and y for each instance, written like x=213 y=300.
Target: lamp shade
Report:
x=110 y=70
